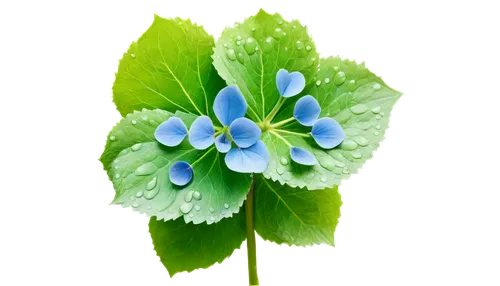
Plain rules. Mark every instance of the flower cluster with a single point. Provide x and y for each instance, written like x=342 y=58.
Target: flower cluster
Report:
x=249 y=155
x=326 y=131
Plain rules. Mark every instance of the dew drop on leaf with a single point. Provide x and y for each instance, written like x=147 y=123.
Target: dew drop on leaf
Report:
x=117 y=176
x=359 y=109
x=280 y=170
x=136 y=147
x=146 y=169
x=362 y=141
x=230 y=54
x=189 y=196
x=151 y=184
x=377 y=127
x=339 y=78
x=323 y=179
x=376 y=133
x=278 y=33
x=377 y=86
x=197 y=195
x=352 y=81
x=376 y=109
x=327 y=80
x=211 y=210
x=186 y=208
x=112 y=138
x=308 y=48
x=300 y=45
x=250 y=45
x=318 y=82
x=226 y=205
x=197 y=208
x=284 y=161
x=134 y=122
x=139 y=194
x=356 y=154
x=135 y=205
x=349 y=145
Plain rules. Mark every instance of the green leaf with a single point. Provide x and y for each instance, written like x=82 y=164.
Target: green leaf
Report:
x=295 y=216
x=169 y=68
x=250 y=54
x=185 y=247
x=140 y=173
x=359 y=100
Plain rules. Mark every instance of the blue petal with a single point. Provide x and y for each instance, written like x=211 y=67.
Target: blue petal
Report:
x=180 y=173
x=248 y=160
x=307 y=110
x=290 y=84
x=229 y=105
x=222 y=143
x=302 y=156
x=171 y=132
x=201 y=133
x=244 y=132
x=328 y=133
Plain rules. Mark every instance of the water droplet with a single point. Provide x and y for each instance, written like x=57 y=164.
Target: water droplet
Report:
x=189 y=196
x=339 y=78
x=230 y=54
x=139 y=194
x=382 y=113
x=345 y=170
x=327 y=80
x=376 y=109
x=116 y=167
x=362 y=141
x=211 y=210
x=313 y=59
x=359 y=109
x=287 y=176
x=377 y=86
x=278 y=33
x=146 y=169
x=134 y=122
x=349 y=145
x=197 y=208
x=294 y=26
x=323 y=179
x=132 y=198
x=284 y=34
x=250 y=45
x=253 y=29
x=318 y=82
x=376 y=133
x=268 y=45
x=280 y=170
x=377 y=127
x=186 y=208
x=112 y=138
x=241 y=59
x=352 y=81
x=133 y=56
x=151 y=191
x=239 y=38
x=197 y=195
x=340 y=164
x=238 y=43
x=225 y=45
x=226 y=205
x=300 y=45
x=150 y=207
x=284 y=161
x=356 y=154
x=335 y=68
x=191 y=215
x=135 y=205
x=151 y=184
x=212 y=218
x=378 y=117
x=117 y=176
x=286 y=48
x=280 y=23
x=136 y=147
x=308 y=48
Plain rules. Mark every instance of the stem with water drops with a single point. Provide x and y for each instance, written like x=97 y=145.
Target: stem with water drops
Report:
x=251 y=248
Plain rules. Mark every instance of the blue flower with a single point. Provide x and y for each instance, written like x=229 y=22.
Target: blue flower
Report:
x=250 y=154
x=325 y=131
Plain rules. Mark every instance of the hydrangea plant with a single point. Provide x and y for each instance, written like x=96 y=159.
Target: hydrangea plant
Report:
x=252 y=133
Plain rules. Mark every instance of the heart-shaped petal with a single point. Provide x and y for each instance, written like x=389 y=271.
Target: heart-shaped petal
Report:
x=289 y=84
x=302 y=156
x=244 y=132
x=229 y=105
x=171 y=132
x=180 y=173
x=222 y=143
x=201 y=133
x=327 y=133
x=248 y=160
x=307 y=110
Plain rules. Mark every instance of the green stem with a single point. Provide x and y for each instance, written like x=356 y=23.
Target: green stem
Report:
x=281 y=123
x=275 y=109
x=203 y=156
x=281 y=138
x=292 y=133
x=253 y=279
